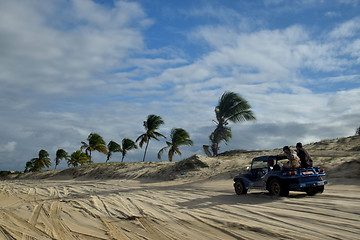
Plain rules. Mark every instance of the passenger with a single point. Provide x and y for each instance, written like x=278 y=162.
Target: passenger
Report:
x=305 y=159
x=292 y=157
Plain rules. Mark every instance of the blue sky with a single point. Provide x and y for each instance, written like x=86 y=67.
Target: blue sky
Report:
x=69 y=68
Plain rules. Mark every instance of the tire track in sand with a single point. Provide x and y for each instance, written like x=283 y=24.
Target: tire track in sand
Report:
x=59 y=229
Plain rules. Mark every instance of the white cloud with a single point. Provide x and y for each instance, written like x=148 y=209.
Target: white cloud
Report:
x=332 y=14
x=347 y=29
x=8 y=147
x=352 y=2
x=61 y=60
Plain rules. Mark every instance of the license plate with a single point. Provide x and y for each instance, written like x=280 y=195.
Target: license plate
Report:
x=307 y=172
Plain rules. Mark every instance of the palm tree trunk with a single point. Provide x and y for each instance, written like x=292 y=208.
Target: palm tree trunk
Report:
x=147 y=144
x=215 y=148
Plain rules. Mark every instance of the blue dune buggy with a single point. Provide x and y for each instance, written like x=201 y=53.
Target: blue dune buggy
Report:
x=265 y=173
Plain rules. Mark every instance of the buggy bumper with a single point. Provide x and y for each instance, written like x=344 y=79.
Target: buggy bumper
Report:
x=308 y=184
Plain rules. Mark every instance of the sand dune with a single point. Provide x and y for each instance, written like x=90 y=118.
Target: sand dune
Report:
x=140 y=201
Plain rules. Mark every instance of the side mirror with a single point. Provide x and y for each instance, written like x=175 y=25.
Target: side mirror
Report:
x=248 y=169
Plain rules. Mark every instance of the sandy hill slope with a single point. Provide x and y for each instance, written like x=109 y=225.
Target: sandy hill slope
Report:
x=190 y=199
x=340 y=157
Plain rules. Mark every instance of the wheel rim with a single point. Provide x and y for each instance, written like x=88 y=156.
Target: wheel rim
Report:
x=239 y=187
x=275 y=188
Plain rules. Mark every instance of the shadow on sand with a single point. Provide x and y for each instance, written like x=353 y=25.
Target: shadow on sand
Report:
x=233 y=199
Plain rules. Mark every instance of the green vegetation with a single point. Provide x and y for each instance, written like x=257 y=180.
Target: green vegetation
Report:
x=127 y=145
x=152 y=124
x=5 y=174
x=179 y=137
x=77 y=158
x=60 y=154
x=231 y=108
x=112 y=147
x=190 y=164
x=36 y=164
x=96 y=143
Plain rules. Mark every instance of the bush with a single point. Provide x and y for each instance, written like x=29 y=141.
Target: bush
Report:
x=4 y=174
x=190 y=164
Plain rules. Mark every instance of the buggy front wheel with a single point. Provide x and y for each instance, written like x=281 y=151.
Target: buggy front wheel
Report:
x=240 y=187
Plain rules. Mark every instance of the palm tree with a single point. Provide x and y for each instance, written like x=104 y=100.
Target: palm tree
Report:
x=152 y=123
x=127 y=145
x=96 y=143
x=60 y=154
x=231 y=108
x=112 y=147
x=36 y=164
x=29 y=167
x=179 y=137
x=214 y=146
x=210 y=150
x=77 y=158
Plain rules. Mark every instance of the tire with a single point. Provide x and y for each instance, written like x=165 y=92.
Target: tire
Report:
x=276 y=188
x=240 y=187
x=314 y=190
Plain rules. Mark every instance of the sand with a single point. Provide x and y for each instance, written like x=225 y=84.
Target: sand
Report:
x=189 y=204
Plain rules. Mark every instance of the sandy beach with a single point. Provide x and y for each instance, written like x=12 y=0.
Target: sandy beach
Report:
x=197 y=204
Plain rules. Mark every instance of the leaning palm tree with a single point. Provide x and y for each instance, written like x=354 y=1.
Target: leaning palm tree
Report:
x=60 y=154
x=179 y=137
x=77 y=158
x=213 y=148
x=231 y=108
x=152 y=123
x=210 y=150
x=112 y=147
x=96 y=143
x=127 y=145
x=36 y=164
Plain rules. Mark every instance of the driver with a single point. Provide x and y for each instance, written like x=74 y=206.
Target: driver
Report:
x=271 y=164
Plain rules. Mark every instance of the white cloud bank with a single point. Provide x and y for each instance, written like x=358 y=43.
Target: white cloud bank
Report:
x=68 y=69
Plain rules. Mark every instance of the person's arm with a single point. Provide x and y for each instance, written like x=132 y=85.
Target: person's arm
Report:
x=281 y=156
x=308 y=158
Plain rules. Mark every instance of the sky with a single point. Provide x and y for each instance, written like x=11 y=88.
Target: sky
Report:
x=69 y=68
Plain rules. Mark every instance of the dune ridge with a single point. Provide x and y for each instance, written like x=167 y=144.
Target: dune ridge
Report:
x=335 y=155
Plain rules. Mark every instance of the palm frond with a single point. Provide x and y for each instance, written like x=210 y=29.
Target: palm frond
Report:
x=114 y=147
x=176 y=150
x=143 y=139
x=206 y=149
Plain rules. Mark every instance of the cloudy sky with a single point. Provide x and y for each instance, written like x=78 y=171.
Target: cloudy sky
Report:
x=69 y=68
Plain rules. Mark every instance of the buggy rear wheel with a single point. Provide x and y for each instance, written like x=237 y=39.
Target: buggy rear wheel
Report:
x=240 y=187
x=278 y=189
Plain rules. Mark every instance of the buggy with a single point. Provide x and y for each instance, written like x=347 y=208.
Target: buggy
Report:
x=265 y=173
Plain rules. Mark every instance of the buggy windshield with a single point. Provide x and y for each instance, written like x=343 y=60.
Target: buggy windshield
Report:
x=259 y=164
